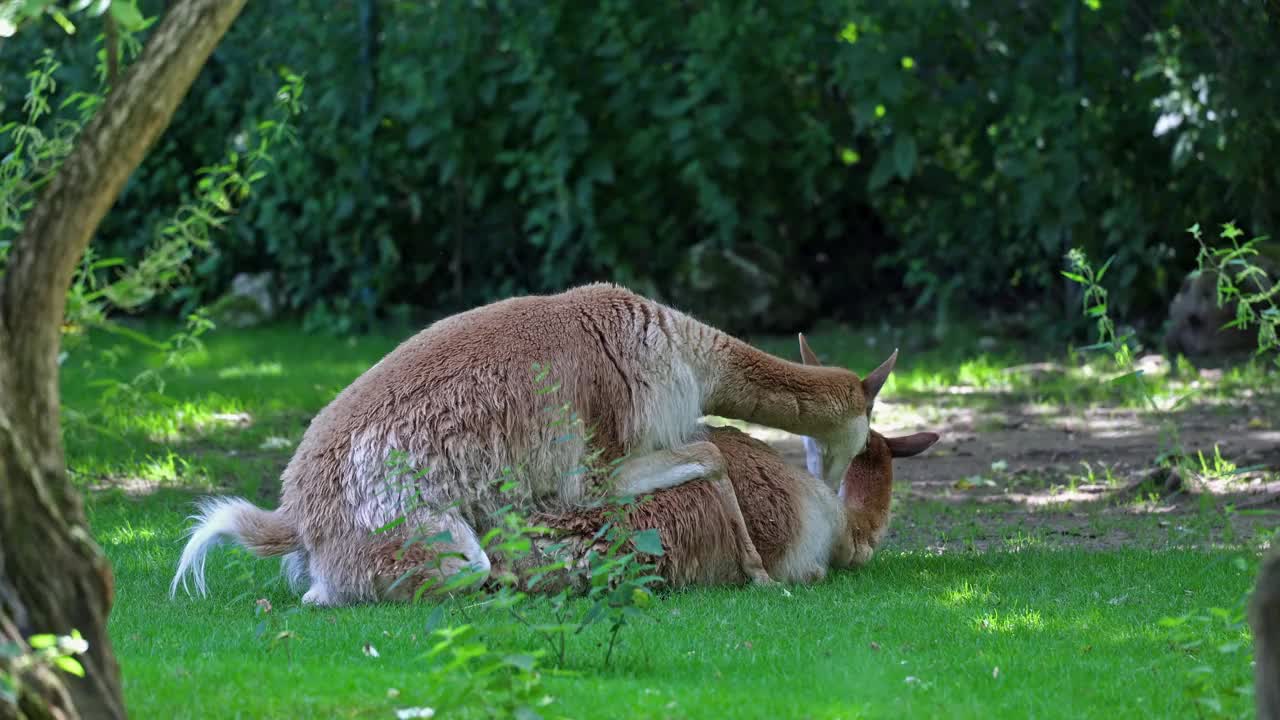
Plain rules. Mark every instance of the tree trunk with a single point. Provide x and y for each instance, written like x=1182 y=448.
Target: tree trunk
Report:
x=1264 y=617
x=53 y=576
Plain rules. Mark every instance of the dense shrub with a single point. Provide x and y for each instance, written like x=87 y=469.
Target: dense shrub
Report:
x=762 y=161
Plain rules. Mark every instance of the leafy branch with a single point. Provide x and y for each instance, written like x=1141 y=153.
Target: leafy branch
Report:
x=1241 y=280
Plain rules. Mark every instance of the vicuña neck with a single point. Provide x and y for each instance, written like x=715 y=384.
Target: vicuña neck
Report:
x=748 y=384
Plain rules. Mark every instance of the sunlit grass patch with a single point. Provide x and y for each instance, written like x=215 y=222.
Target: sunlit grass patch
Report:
x=182 y=421
x=956 y=367
x=243 y=370
x=966 y=592
x=141 y=475
x=125 y=534
x=1016 y=621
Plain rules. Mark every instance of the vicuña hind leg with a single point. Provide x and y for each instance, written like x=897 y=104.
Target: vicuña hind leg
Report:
x=398 y=568
x=431 y=549
x=699 y=460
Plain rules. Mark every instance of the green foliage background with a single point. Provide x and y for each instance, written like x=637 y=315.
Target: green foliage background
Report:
x=763 y=162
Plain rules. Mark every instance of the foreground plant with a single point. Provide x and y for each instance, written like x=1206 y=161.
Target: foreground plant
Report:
x=1120 y=346
x=1243 y=283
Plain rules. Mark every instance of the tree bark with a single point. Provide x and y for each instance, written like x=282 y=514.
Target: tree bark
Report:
x=1264 y=617
x=53 y=576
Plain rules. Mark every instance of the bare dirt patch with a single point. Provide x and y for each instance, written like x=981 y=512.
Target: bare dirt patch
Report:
x=1010 y=474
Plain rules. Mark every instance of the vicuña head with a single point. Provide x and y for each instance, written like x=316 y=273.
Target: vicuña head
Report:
x=828 y=451
x=867 y=494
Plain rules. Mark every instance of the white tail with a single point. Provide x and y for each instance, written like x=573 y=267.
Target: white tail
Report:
x=262 y=532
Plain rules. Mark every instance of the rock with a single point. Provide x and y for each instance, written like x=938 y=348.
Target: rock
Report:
x=747 y=287
x=1152 y=364
x=1195 y=323
x=248 y=303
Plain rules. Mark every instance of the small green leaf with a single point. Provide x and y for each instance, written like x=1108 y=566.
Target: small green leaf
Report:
x=435 y=619
x=881 y=173
x=523 y=662
x=70 y=665
x=40 y=642
x=633 y=612
x=8 y=691
x=648 y=542
x=127 y=14
x=904 y=156
x=592 y=614
x=62 y=21
x=390 y=526
x=908 y=62
x=1103 y=270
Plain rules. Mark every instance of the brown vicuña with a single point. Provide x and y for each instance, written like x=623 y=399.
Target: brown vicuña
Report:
x=801 y=528
x=458 y=401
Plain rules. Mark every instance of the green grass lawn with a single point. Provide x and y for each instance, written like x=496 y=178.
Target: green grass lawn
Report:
x=1029 y=630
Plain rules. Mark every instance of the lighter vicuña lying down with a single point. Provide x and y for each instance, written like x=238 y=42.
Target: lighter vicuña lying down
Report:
x=800 y=527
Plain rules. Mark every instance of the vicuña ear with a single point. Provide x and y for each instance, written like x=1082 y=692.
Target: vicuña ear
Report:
x=872 y=383
x=909 y=445
x=806 y=354
x=812 y=456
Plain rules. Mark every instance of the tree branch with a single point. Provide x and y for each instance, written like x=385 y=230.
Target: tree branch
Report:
x=111 y=37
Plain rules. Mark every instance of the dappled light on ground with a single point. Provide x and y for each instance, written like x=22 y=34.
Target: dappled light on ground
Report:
x=126 y=534
x=146 y=475
x=246 y=370
x=1050 y=455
